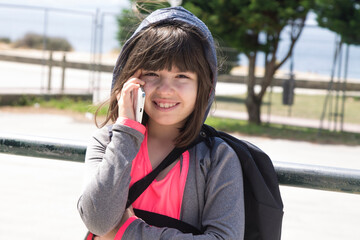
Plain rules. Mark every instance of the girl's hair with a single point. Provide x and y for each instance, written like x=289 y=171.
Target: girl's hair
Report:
x=161 y=46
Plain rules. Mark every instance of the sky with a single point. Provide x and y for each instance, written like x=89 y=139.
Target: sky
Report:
x=72 y=4
x=91 y=5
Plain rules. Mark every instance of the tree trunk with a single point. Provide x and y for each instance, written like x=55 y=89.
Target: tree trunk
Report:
x=252 y=101
x=253 y=106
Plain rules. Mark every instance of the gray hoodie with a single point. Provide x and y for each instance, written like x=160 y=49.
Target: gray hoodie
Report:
x=182 y=15
x=213 y=194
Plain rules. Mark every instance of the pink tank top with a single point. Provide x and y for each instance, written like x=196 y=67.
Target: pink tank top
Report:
x=164 y=196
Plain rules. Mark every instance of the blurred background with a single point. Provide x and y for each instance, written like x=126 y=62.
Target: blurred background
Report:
x=289 y=82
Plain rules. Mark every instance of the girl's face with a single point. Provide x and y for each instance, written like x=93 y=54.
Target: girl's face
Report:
x=170 y=95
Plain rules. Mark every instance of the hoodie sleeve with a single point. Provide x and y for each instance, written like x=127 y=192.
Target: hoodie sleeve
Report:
x=107 y=177
x=223 y=214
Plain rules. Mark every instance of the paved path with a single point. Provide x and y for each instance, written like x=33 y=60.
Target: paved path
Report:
x=38 y=198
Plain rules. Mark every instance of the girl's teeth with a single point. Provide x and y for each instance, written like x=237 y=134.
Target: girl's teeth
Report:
x=166 y=105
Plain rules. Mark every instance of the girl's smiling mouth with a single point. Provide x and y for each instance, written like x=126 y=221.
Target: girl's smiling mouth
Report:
x=165 y=105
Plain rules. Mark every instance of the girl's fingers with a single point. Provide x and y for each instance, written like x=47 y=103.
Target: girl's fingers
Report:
x=137 y=74
x=131 y=85
x=127 y=96
x=136 y=78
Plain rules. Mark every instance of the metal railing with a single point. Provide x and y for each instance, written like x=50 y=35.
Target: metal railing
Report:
x=289 y=174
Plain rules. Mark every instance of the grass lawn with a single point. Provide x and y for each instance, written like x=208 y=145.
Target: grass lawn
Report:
x=305 y=106
x=279 y=131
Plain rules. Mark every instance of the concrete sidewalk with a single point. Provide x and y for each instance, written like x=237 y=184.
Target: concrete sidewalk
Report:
x=39 y=196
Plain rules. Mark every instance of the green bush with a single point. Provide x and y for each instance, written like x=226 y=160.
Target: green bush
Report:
x=26 y=100
x=36 y=41
x=5 y=40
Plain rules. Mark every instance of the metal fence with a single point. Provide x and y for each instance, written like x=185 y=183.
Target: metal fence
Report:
x=87 y=31
x=84 y=29
x=289 y=174
x=95 y=32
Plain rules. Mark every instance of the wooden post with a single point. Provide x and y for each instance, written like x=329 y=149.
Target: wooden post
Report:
x=50 y=69
x=63 y=73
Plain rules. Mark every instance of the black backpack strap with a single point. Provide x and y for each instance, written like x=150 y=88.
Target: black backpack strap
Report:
x=159 y=220
x=140 y=186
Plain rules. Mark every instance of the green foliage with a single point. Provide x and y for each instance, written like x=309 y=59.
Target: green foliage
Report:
x=340 y=16
x=129 y=19
x=240 y=22
x=26 y=100
x=34 y=40
x=127 y=22
x=5 y=40
x=67 y=104
x=63 y=103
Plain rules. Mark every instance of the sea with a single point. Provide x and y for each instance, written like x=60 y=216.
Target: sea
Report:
x=91 y=26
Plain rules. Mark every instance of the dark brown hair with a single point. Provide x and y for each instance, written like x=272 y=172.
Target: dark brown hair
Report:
x=161 y=46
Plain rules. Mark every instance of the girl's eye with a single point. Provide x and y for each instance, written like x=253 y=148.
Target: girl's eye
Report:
x=150 y=74
x=182 y=76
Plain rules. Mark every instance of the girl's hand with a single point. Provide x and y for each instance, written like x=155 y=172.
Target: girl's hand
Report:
x=129 y=212
x=126 y=97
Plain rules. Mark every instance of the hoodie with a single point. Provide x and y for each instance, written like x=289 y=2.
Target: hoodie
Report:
x=213 y=193
x=182 y=15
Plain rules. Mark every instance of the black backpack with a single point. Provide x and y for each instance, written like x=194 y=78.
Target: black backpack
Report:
x=263 y=203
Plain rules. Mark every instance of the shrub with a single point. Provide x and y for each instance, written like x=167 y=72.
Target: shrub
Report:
x=5 y=40
x=33 y=40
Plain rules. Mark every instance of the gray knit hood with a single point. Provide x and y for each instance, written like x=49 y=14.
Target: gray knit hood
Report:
x=177 y=14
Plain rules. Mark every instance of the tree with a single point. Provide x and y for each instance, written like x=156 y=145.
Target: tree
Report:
x=252 y=27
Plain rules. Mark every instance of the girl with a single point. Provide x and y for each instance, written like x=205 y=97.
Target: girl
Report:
x=172 y=56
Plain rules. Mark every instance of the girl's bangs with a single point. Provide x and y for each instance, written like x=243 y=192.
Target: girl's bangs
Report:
x=180 y=52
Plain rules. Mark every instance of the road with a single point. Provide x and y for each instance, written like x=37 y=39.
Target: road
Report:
x=38 y=199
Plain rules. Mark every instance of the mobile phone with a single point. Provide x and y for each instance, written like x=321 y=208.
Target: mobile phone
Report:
x=139 y=110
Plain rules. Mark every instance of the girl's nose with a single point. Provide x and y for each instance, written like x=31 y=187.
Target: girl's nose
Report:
x=165 y=87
